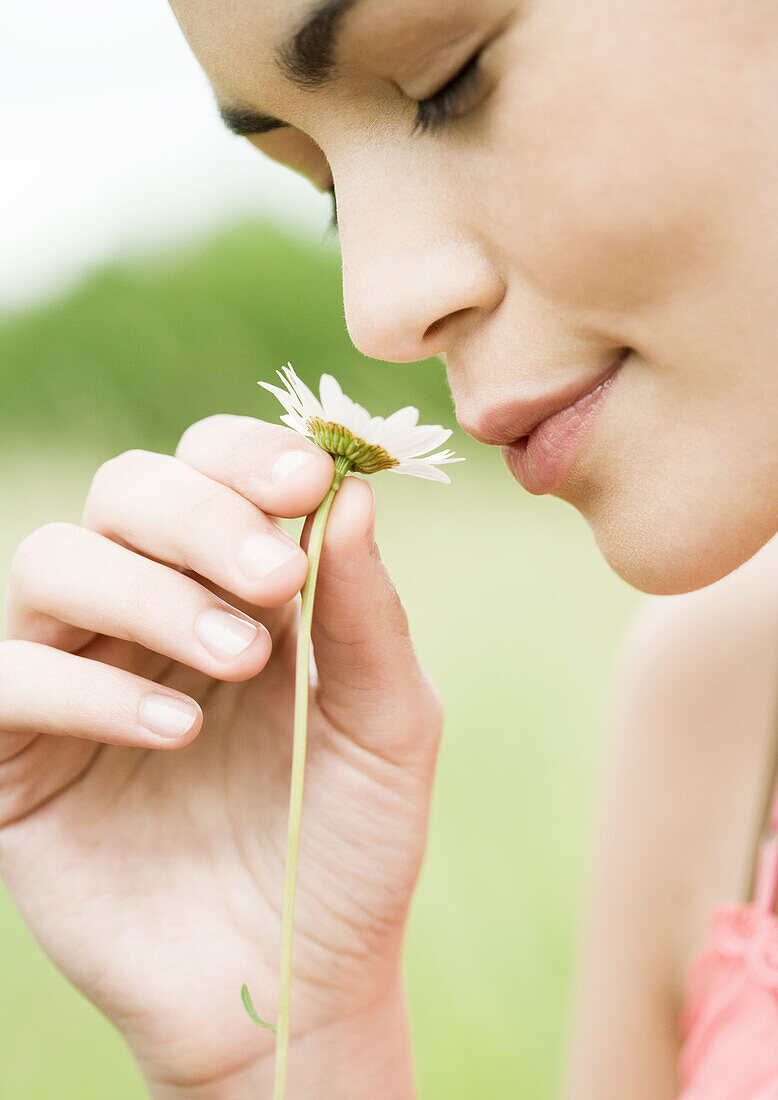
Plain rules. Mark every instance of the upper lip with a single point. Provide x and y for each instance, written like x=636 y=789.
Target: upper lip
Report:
x=503 y=424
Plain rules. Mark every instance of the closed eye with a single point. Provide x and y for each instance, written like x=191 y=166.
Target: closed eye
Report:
x=451 y=100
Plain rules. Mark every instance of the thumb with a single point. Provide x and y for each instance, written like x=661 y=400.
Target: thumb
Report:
x=371 y=685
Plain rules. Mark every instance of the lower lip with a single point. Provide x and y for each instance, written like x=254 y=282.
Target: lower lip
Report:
x=541 y=460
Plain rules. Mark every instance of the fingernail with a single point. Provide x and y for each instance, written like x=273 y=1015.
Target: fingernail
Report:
x=224 y=635
x=289 y=462
x=260 y=554
x=167 y=716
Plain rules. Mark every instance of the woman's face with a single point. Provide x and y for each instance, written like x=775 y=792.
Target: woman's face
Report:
x=602 y=205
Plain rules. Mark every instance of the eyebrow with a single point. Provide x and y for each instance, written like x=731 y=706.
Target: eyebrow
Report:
x=307 y=58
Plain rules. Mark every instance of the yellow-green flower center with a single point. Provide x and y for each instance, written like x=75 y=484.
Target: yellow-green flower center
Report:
x=365 y=458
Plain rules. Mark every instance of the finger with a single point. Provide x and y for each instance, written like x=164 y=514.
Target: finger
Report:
x=371 y=685
x=275 y=468
x=87 y=699
x=166 y=509
x=62 y=573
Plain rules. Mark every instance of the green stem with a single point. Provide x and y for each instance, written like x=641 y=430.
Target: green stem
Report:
x=299 y=740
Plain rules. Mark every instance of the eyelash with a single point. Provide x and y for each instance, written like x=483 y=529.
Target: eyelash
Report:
x=333 y=223
x=433 y=113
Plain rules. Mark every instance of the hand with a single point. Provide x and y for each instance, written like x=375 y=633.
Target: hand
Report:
x=146 y=691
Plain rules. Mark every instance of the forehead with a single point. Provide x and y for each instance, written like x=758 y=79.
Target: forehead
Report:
x=233 y=38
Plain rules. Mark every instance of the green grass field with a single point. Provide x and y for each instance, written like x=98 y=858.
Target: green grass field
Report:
x=513 y=612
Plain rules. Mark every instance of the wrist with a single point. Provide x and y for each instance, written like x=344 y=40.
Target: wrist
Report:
x=367 y=1056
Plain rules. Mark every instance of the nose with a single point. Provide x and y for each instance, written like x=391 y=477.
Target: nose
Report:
x=408 y=292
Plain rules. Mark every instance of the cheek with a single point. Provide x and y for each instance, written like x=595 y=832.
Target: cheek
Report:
x=609 y=166
x=678 y=480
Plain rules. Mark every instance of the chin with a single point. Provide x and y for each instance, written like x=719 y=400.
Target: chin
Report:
x=666 y=555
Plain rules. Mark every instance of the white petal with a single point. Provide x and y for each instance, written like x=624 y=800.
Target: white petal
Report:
x=340 y=409
x=421 y=469
x=394 y=430
x=309 y=403
x=441 y=457
x=294 y=421
x=333 y=400
x=356 y=419
x=405 y=418
x=288 y=400
x=422 y=439
x=374 y=431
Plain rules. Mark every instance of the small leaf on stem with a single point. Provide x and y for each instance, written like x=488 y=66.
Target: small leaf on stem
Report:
x=248 y=1004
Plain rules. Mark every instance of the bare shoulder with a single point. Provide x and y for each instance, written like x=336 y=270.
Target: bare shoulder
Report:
x=696 y=713
x=695 y=725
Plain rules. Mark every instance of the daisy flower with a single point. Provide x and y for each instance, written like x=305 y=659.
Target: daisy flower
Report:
x=364 y=444
x=371 y=443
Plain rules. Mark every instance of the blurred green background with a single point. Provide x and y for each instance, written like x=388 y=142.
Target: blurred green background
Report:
x=513 y=612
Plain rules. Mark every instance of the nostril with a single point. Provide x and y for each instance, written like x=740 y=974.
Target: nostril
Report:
x=434 y=330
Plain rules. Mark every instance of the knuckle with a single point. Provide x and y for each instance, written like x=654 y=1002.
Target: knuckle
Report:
x=423 y=724
x=199 y=430
x=205 y=505
x=13 y=654
x=145 y=598
x=37 y=547
x=432 y=707
x=428 y=714
x=112 y=472
x=246 y=448
x=113 y=469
